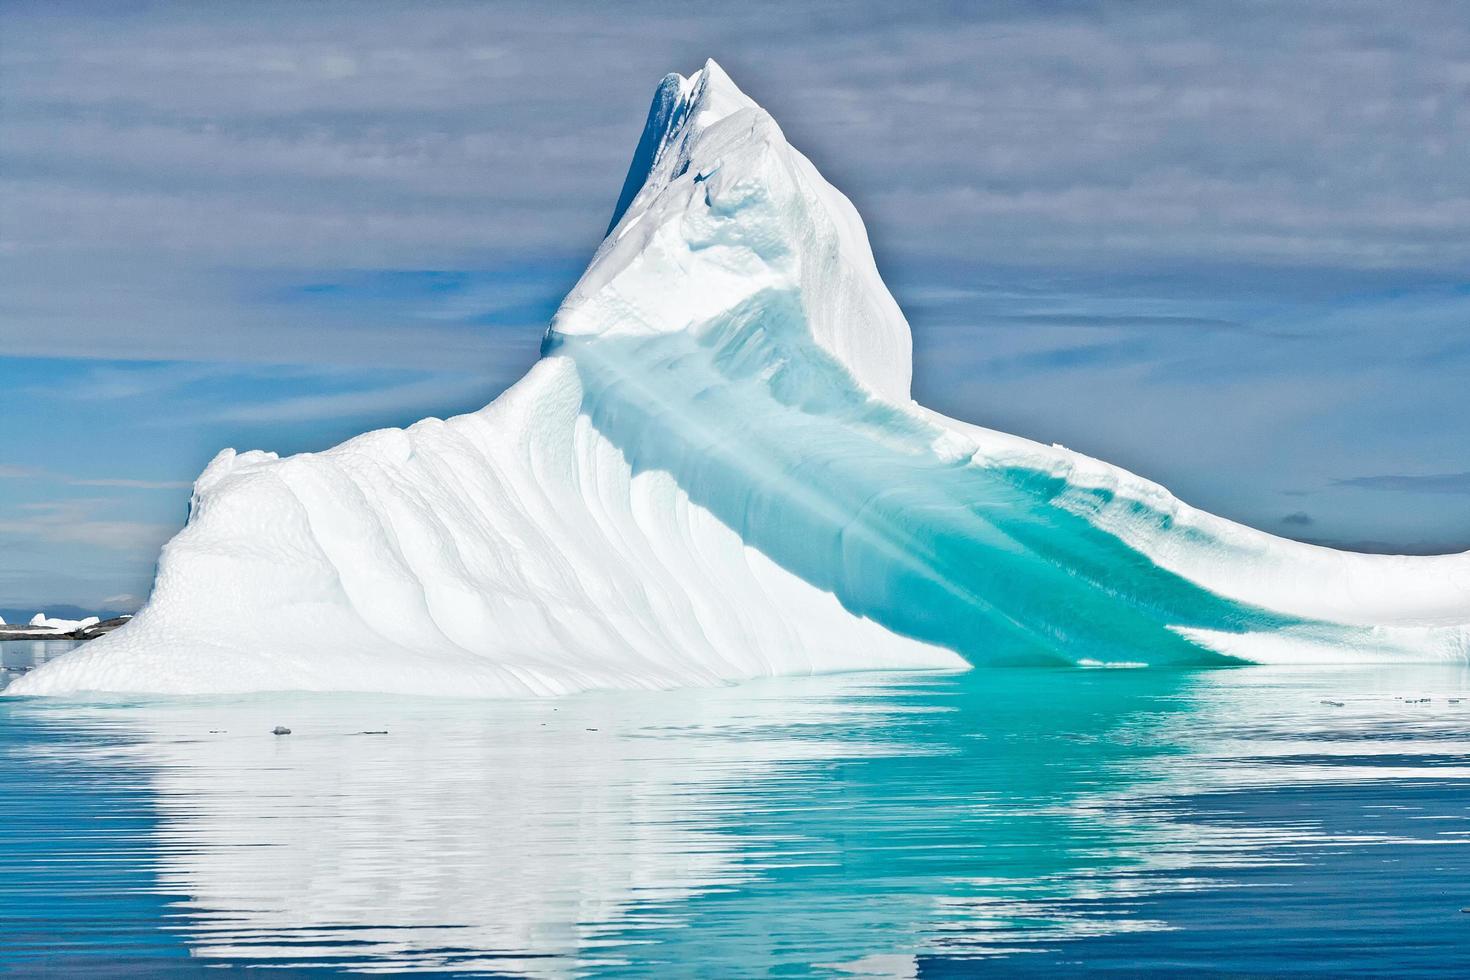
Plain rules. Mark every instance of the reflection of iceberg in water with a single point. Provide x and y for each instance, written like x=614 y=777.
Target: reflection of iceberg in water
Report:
x=535 y=839
x=715 y=472
x=779 y=825
x=20 y=657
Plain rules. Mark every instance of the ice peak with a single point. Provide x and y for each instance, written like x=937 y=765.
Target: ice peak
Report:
x=718 y=207
x=680 y=105
x=713 y=95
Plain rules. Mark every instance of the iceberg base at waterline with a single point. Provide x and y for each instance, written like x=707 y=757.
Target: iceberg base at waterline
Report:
x=716 y=472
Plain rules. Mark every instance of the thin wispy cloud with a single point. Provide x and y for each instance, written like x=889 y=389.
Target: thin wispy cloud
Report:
x=134 y=484
x=415 y=396
x=126 y=483
x=1412 y=483
x=1115 y=321
x=76 y=522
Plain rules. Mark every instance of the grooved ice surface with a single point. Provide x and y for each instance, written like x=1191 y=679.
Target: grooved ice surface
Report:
x=716 y=472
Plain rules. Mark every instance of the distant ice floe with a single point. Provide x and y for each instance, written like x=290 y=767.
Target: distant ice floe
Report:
x=42 y=627
x=43 y=621
x=716 y=471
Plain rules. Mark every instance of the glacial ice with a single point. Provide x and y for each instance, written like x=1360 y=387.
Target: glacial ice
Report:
x=716 y=472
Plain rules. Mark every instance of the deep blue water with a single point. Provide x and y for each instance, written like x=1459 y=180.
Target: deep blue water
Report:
x=1252 y=821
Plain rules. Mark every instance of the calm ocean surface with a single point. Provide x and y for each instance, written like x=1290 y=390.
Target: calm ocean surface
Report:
x=1236 y=821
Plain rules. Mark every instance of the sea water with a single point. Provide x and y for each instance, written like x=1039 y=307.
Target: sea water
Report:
x=1245 y=821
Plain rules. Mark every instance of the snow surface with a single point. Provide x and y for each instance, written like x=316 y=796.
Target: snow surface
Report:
x=717 y=472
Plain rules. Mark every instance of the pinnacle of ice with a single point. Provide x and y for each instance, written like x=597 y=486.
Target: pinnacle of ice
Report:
x=716 y=472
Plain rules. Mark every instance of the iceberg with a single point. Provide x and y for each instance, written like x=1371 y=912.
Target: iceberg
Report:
x=716 y=472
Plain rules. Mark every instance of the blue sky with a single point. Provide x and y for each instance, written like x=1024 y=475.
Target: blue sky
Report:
x=1229 y=249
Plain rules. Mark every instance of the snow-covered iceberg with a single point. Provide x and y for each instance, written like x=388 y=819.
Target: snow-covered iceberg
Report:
x=716 y=471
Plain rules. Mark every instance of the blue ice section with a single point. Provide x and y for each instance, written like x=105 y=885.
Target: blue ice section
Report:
x=771 y=434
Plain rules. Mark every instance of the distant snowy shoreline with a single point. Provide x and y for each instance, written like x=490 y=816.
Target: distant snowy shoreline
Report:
x=43 y=627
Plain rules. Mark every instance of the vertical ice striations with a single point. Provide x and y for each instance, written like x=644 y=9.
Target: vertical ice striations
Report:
x=716 y=472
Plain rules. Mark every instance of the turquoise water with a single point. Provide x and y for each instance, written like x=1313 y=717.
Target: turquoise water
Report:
x=1241 y=821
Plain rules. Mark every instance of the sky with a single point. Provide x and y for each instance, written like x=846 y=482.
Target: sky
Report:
x=1225 y=246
